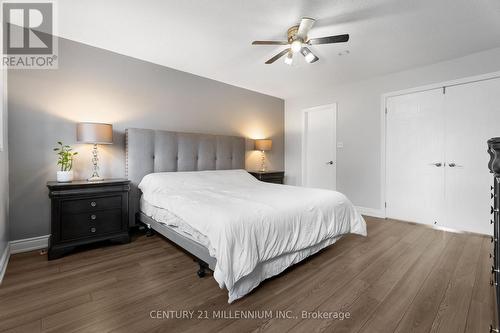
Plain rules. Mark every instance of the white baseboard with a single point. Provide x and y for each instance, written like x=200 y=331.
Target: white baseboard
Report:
x=4 y=260
x=21 y=245
x=29 y=244
x=371 y=212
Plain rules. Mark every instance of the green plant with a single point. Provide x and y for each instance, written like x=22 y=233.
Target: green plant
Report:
x=66 y=155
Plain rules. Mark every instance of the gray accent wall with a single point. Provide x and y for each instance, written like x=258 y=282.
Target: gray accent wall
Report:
x=4 y=178
x=97 y=85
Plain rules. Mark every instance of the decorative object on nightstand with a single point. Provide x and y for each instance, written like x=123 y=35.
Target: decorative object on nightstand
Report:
x=65 y=160
x=94 y=133
x=84 y=212
x=263 y=145
x=275 y=177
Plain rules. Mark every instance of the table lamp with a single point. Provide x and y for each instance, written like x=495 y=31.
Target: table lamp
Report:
x=263 y=145
x=94 y=133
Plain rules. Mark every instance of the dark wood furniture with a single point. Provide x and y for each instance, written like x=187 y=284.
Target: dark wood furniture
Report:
x=269 y=176
x=85 y=212
x=494 y=166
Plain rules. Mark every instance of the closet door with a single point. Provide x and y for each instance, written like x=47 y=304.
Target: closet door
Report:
x=472 y=117
x=415 y=157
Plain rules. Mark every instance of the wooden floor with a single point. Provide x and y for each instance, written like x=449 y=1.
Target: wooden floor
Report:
x=401 y=278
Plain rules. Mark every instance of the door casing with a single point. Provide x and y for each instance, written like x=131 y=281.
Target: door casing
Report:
x=383 y=125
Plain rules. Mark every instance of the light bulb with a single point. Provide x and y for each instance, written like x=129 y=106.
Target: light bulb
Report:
x=296 y=46
x=289 y=58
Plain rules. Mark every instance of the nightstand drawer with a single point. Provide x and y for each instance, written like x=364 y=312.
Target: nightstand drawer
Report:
x=90 y=224
x=275 y=177
x=89 y=205
x=275 y=180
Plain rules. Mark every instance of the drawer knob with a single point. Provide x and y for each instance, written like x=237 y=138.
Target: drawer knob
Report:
x=93 y=217
x=92 y=229
x=93 y=203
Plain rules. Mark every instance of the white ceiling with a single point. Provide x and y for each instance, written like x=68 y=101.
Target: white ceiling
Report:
x=212 y=38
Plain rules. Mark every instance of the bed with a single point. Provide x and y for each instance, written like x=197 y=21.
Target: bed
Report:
x=193 y=190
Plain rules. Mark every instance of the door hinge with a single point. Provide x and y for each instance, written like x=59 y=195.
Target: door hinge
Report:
x=385 y=204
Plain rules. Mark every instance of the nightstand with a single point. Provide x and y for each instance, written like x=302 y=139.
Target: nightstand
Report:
x=85 y=212
x=269 y=176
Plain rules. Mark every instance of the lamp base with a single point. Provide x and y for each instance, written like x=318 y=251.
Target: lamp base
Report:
x=95 y=168
x=95 y=179
x=262 y=162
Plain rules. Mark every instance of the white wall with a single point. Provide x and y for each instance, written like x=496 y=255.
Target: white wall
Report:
x=358 y=124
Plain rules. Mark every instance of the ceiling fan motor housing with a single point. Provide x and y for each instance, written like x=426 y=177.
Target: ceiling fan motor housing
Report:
x=292 y=33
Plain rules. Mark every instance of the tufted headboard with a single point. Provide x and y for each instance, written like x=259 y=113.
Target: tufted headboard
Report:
x=149 y=151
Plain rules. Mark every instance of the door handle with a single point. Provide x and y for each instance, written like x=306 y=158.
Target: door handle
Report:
x=453 y=165
x=437 y=164
x=329 y=162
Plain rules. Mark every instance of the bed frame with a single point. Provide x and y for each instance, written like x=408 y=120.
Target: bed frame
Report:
x=149 y=151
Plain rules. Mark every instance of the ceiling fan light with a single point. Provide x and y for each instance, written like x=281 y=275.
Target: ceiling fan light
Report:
x=289 y=58
x=309 y=57
x=296 y=46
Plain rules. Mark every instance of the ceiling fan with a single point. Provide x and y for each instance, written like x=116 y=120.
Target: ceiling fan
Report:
x=298 y=42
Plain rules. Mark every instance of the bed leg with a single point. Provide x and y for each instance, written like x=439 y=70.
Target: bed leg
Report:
x=149 y=231
x=203 y=266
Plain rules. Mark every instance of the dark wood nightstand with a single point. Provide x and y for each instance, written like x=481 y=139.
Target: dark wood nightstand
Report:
x=85 y=212
x=269 y=176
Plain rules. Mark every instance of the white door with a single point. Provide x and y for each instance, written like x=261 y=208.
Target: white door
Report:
x=319 y=147
x=415 y=157
x=473 y=117
x=449 y=128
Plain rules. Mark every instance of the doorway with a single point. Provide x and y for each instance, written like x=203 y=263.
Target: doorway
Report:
x=319 y=147
x=436 y=159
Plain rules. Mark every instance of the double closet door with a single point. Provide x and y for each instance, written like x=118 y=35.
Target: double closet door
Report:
x=436 y=158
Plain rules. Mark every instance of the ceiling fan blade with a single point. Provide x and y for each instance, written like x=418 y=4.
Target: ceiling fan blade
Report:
x=269 y=42
x=305 y=25
x=308 y=55
x=276 y=57
x=329 y=40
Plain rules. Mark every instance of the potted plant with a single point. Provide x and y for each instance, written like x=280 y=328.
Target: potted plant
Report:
x=65 y=160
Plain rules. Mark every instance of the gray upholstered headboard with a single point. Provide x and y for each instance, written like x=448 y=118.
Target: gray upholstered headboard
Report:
x=149 y=151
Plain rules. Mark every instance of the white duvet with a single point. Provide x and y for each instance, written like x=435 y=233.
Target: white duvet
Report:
x=249 y=223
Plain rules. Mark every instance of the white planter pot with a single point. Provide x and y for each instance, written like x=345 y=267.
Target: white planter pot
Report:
x=64 y=176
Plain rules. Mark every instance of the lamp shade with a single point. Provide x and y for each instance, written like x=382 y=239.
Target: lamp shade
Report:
x=94 y=133
x=263 y=144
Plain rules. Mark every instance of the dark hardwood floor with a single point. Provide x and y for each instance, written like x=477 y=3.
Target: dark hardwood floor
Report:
x=401 y=278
